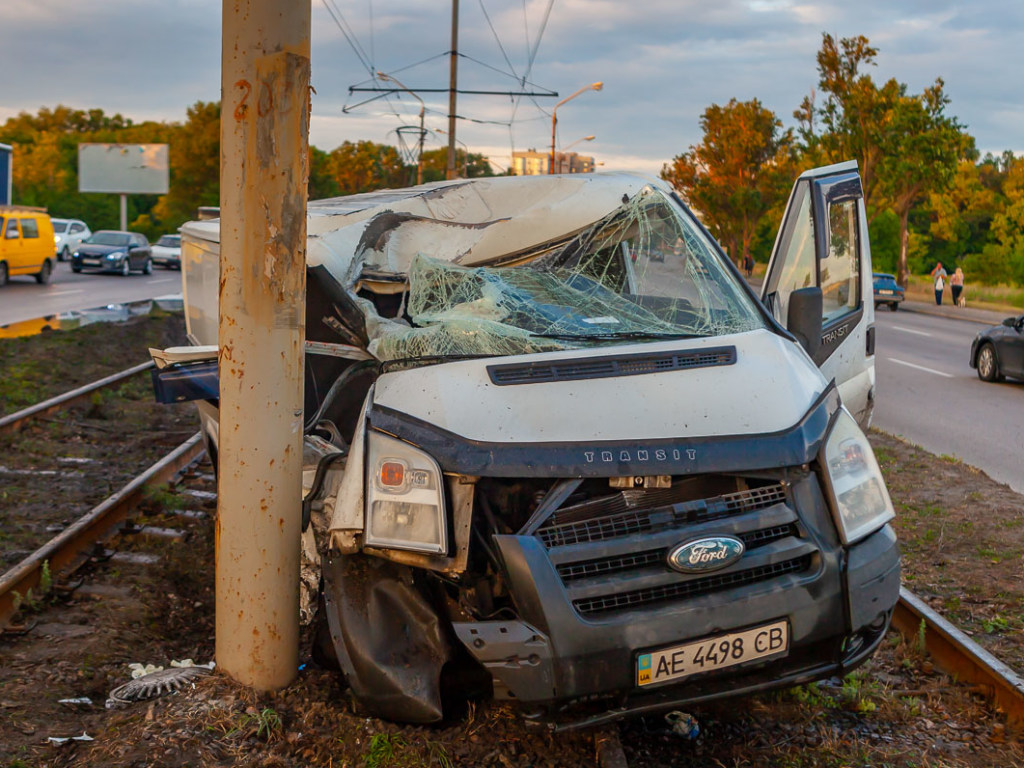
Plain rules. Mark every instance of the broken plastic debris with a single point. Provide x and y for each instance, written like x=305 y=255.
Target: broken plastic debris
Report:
x=191 y=663
x=683 y=724
x=65 y=739
x=156 y=683
x=140 y=670
x=84 y=700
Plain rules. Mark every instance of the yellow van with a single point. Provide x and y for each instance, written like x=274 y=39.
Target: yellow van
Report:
x=26 y=243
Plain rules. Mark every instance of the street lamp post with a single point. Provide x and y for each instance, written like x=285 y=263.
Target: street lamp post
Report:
x=419 y=164
x=554 y=116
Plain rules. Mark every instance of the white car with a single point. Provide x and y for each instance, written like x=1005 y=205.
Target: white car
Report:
x=167 y=252
x=68 y=234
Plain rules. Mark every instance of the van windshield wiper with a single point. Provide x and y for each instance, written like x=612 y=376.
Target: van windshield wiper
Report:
x=606 y=336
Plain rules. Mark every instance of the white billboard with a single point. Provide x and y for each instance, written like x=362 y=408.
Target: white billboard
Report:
x=123 y=168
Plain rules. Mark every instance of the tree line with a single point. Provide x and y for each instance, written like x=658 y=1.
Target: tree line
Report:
x=929 y=195
x=46 y=166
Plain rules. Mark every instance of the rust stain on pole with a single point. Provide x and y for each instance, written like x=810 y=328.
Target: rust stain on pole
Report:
x=265 y=88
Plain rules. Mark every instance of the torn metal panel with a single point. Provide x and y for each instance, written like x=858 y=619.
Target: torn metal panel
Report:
x=390 y=642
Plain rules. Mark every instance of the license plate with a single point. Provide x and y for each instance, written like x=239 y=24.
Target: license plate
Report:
x=713 y=653
x=885 y=293
x=91 y=262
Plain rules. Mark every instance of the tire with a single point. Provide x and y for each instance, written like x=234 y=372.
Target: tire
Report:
x=893 y=306
x=3 y=273
x=44 y=275
x=64 y=255
x=147 y=268
x=75 y=269
x=988 y=366
x=126 y=267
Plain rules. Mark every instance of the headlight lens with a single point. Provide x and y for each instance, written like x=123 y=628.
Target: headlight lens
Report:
x=860 y=501
x=115 y=255
x=404 y=497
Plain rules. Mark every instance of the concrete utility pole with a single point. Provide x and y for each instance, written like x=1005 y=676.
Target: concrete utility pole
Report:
x=453 y=71
x=264 y=170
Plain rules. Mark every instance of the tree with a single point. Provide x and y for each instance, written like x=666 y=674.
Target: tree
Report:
x=364 y=166
x=195 y=167
x=734 y=177
x=853 y=115
x=921 y=148
x=471 y=166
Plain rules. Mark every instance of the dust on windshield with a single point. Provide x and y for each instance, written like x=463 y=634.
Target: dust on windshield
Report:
x=645 y=272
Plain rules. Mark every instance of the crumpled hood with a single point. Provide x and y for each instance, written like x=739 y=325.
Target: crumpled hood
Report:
x=769 y=388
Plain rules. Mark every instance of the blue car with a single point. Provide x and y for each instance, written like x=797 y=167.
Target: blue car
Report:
x=887 y=290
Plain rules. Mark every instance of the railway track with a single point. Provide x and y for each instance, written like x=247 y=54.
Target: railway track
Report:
x=952 y=650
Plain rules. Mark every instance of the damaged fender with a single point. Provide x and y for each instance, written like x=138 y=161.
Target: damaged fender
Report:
x=389 y=640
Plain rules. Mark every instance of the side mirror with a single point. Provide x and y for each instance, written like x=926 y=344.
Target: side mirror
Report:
x=1010 y=322
x=803 y=318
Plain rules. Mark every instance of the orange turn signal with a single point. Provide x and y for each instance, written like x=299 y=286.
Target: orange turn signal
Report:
x=392 y=474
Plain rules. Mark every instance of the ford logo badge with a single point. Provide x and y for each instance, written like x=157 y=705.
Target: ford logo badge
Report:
x=707 y=554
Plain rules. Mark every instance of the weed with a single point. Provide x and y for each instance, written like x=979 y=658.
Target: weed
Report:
x=922 y=638
x=995 y=624
x=812 y=696
x=266 y=722
x=383 y=747
x=164 y=498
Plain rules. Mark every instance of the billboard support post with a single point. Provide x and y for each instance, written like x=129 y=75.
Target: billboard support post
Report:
x=124 y=212
x=264 y=168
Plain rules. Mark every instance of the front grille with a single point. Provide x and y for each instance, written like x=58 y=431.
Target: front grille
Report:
x=609 y=366
x=634 y=562
x=616 y=525
x=670 y=592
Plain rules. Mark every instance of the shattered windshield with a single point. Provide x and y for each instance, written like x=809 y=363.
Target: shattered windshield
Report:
x=643 y=273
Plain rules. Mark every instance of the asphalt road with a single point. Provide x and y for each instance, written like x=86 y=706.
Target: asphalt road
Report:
x=24 y=299
x=928 y=394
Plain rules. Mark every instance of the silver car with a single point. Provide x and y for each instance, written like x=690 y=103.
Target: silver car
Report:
x=167 y=251
x=68 y=234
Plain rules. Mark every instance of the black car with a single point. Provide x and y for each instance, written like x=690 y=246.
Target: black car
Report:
x=887 y=290
x=999 y=351
x=114 y=251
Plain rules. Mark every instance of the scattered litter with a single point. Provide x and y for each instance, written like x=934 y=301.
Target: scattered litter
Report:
x=158 y=682
x=82 y=701
x=191 y=663
x=682 y=724
x=65 y=739
x=141 y=670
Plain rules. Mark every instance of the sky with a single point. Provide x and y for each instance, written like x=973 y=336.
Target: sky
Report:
x=661 y=62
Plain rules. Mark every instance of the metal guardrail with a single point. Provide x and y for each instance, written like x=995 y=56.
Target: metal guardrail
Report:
x=19 y=418
x=70 y=548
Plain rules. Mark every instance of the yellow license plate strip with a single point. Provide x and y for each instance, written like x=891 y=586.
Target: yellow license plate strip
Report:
x=712 y=653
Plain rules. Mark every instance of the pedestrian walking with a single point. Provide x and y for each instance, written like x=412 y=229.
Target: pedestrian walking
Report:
x=956 y=285
x=748 y=265
x=939 y=276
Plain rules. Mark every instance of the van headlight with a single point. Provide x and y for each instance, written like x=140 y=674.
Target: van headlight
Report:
x=404 y=497
x=860 y=501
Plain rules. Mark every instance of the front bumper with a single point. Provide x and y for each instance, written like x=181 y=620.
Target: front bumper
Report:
x=576 y=654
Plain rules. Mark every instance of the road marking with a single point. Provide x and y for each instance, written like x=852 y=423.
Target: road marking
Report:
x=910 y=330
x=163 y=280
x=920 y=367
x=67 y=293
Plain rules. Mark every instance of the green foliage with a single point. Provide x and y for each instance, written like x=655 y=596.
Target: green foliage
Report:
x=738 y=175
x=884 y=233
x=384 y=748
x=266 y=723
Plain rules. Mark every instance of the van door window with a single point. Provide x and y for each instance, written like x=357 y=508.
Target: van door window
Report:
x=29 y=228
x=840 y=273
x=796 y=251
x=11 y=231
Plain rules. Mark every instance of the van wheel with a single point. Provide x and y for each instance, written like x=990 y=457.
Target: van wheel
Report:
x=43 y=275
x=3 y=273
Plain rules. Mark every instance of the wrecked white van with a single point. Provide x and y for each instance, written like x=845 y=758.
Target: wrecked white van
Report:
x=557 y=450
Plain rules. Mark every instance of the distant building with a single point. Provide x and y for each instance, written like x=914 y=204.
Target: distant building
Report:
x=534 y=163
